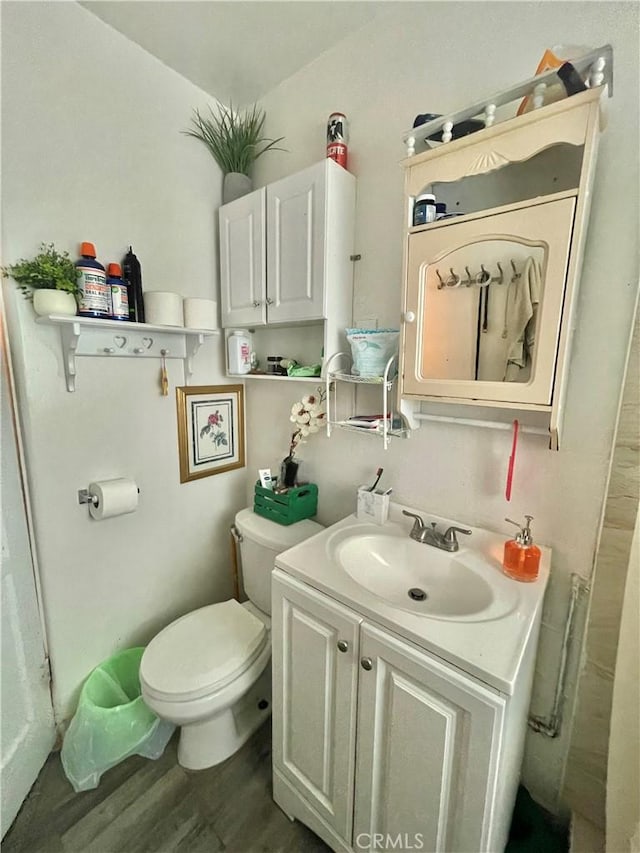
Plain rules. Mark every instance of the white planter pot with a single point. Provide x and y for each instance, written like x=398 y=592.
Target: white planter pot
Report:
x=234 y=186
x=54 y=302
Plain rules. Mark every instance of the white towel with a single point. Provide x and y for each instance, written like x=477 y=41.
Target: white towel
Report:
x=523 y=298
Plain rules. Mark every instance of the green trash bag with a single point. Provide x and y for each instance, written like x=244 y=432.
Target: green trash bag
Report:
x=111 y=723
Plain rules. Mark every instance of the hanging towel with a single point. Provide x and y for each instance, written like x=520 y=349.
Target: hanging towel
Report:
x=521 y=308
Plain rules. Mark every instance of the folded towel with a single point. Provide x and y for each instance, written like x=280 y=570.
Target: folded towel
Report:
x=521 y=308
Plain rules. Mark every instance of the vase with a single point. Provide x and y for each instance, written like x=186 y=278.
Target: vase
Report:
x=289 y=471
x=234 y=186
x=47 y=302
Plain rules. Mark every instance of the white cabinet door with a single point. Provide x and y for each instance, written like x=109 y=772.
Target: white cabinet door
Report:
x=428 y=744
x=296 y=246
x=242 y=261
x=463 y=343
x=314 y=698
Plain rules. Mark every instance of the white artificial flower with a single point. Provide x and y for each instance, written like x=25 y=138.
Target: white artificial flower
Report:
x=293 y=419
x=303 y=418
x=309 y=400
x=313 y=428
x=296 y=408
x=304 y=431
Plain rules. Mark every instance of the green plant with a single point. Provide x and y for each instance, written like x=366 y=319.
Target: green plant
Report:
x=49 y=270
x=234 y=138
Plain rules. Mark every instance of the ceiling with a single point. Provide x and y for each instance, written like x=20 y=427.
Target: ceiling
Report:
x=236 y=50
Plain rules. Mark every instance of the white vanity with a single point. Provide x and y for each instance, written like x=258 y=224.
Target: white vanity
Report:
x=401 y=685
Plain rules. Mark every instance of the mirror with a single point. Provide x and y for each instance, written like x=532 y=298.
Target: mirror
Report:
x=480 y=311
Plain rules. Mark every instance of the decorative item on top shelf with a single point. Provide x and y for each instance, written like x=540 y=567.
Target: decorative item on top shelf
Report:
x=309 y=416
x=235 y=140
x=210 y=430
x=49 y=280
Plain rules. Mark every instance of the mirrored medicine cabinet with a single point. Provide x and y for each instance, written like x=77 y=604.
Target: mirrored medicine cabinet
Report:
x=490 y=289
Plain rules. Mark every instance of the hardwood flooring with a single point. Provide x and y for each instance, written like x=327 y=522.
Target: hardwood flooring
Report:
x=143 y=806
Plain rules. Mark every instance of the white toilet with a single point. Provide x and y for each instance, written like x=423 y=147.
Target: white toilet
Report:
x=209 y=671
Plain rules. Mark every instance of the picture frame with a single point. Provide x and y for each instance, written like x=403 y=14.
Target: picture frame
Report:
x=210 y=430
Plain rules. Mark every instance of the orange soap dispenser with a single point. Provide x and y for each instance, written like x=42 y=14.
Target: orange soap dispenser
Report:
x=521 y=557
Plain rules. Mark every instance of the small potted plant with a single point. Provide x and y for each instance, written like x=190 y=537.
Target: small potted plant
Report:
x=49 y=280
x=235 y=140
x=309 y=417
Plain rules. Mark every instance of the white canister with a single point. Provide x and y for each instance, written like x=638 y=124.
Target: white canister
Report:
x=239 y=352
x=200 y=313
x=163 y=308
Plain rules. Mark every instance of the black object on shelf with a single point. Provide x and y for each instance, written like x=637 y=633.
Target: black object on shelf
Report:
x=132 y=274
x=463 y=128
x=571 y=80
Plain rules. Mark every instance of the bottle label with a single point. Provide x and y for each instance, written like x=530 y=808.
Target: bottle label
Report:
x=95 y=293
x=245 y=354
x=119 y=302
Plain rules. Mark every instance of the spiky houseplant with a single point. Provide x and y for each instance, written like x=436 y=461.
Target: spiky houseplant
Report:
x=234 y=138
x=49 y=270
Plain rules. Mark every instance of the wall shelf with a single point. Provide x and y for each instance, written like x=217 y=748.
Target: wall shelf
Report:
x=86 y=336
x=337 y=372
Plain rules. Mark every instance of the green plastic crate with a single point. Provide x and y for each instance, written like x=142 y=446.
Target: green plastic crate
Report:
x=289 y=507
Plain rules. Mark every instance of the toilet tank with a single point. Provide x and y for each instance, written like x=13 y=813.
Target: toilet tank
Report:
x=262 y=540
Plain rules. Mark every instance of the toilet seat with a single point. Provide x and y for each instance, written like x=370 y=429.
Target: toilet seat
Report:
x=202 y=652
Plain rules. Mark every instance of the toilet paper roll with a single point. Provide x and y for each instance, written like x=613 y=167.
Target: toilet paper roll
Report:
x=115 y=497
x=200 y=313
x=163 y=308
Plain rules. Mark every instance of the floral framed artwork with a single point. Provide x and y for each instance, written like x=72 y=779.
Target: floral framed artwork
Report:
x=210 y=430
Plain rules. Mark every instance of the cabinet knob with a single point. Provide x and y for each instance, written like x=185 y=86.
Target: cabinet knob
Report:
x=138 y=350
x=269 y=300
x=343 y=646
x=366 y=663
x=256 y=303
x=409 y=317
x=109 y=350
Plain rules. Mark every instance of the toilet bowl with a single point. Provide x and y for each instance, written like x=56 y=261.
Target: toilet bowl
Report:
x=209 y=672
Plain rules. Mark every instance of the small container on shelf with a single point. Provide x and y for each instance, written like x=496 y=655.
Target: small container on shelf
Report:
x=424 y=209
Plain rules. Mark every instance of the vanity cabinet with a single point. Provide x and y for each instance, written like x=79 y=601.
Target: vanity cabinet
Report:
x=490 y=292
x=285 y=249
x=373 y=735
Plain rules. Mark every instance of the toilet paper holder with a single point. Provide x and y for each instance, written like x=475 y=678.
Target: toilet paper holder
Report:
x=85 y=497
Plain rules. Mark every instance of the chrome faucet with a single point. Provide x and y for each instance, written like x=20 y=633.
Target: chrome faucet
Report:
x=446 y=541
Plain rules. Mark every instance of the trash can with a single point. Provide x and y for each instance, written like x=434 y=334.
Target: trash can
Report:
x=111 y=722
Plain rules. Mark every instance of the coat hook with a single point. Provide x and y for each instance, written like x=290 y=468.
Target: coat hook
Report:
x=453 y=280
x=483 y=278
x=469 y=279
x=516 y=274
x=500 y=278
x=441 y=285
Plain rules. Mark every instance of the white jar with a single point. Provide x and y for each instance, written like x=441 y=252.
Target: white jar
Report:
x=239 y=352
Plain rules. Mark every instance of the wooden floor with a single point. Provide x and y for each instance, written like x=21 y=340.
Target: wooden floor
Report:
x=143 y=806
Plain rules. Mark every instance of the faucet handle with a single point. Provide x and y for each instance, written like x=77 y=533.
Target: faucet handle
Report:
x=450 y=533
x=418 y=523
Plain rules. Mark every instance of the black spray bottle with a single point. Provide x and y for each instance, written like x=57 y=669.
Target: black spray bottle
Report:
x=132 y=274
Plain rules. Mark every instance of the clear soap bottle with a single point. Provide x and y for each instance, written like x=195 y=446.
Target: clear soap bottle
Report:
x=521 y=559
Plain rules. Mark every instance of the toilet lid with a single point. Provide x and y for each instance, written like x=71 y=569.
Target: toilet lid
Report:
x=202 y=649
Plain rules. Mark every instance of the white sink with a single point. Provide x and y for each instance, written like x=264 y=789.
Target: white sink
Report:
x=461 y=586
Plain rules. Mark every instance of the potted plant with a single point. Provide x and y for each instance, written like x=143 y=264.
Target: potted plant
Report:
x=49 y=280
x=235 y=140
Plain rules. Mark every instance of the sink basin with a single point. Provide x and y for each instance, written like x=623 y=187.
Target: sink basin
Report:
x=463 y=586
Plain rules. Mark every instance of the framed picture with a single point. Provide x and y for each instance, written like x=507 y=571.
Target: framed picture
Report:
x=210 y=430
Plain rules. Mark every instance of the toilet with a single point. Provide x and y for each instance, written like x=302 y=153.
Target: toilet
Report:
x=209 y=672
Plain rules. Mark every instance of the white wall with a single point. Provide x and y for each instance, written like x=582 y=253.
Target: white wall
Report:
x=92 y=150
x=437 y=57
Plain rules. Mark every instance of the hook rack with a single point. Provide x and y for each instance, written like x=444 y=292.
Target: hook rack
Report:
x=480 y=279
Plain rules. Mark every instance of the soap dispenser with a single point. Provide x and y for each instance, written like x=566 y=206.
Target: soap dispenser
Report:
x=521 y=557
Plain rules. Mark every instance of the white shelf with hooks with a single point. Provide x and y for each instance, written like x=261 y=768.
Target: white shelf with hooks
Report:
x=338 y=370
x=87 y=336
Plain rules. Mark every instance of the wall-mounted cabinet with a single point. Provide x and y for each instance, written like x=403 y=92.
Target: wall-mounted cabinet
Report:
x=285 y=261
x=490 y=293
